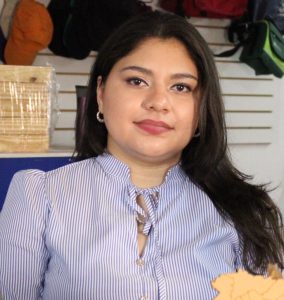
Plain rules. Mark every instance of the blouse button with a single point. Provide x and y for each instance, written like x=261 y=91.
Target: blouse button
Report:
x=140 y=262
x=143 y=298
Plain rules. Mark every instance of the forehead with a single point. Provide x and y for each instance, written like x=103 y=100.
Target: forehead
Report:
x=168 y=42
x=161 y=54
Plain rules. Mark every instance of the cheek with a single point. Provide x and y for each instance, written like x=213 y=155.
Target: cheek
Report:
x=117 y=113
x=188 y=118
x=111 y=105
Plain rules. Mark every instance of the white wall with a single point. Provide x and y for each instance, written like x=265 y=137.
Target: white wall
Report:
x=266 y=162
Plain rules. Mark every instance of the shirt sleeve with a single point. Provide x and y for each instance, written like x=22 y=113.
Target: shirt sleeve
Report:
x=24 y=257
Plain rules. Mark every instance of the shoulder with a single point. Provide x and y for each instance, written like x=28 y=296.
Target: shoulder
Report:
x=34 y=179
x=26 y=196
x=75 y=166
x=203 y=204
x=196 y=191
x=27 y=179
x=77 y=171
x=28 y=175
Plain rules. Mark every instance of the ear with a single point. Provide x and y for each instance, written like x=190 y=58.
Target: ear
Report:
x=100 y=92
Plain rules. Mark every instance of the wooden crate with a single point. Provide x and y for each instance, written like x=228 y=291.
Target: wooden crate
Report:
x=25 y=108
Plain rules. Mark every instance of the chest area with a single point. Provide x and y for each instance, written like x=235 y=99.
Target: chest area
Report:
x=186 y=246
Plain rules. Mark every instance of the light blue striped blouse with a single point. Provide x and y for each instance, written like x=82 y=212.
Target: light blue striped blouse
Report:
x=71 y=233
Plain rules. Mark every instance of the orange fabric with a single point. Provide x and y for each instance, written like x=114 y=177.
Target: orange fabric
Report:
x=31 y=32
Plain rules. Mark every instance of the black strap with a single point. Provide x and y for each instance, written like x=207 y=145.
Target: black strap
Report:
x=229 y=52
x=238 y=33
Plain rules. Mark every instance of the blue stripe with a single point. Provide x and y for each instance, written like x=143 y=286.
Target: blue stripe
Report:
x=71 y=233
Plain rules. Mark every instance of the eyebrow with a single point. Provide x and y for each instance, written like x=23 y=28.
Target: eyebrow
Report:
x=149 y=72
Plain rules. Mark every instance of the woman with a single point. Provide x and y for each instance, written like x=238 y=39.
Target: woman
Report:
x=153 y=209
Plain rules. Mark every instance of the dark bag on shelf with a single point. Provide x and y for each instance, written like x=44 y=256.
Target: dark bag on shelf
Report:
x=264 y=50
x=81 y=94
x=267 y=9
x=91 y=22
x=259 y=32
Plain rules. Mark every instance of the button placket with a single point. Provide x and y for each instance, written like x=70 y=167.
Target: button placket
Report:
x=140 y=262
x=151 y=199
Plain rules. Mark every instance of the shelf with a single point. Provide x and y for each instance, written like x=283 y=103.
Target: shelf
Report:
x=53 y=152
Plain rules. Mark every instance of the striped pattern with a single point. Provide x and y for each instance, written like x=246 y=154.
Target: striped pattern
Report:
x=75 y=236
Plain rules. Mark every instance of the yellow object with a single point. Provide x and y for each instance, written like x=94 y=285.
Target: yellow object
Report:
x=26 y=97
x=244 y=286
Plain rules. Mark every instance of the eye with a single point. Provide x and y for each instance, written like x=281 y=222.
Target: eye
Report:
x=183 y=88
x=136 y=81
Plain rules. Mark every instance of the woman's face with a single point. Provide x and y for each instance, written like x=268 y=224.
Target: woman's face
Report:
x=150 y=102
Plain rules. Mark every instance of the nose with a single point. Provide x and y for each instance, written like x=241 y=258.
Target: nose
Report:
x=156 y=99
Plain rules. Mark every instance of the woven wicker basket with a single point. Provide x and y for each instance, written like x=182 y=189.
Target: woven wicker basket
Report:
x=25 y=108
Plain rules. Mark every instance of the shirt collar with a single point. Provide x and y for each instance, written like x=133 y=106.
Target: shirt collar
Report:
x=118 y=169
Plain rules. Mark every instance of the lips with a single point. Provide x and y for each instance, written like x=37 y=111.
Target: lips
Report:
x=153 y=127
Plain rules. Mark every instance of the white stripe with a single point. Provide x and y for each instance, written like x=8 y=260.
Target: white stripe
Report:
x=71 y=234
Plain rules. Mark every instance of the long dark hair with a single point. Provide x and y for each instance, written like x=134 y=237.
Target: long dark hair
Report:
x=205 y=159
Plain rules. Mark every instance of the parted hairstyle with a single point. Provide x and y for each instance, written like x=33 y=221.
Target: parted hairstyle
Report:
x=205 y=159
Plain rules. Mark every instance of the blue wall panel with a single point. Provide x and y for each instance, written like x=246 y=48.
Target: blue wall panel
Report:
x=9 y=166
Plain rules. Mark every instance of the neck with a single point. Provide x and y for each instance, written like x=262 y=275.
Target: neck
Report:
x=147 y=174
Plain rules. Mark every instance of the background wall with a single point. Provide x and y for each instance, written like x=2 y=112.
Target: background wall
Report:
x=254 y=107
x=266 y=161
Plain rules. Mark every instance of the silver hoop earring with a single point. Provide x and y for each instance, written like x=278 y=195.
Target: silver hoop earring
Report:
x=100 y=117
